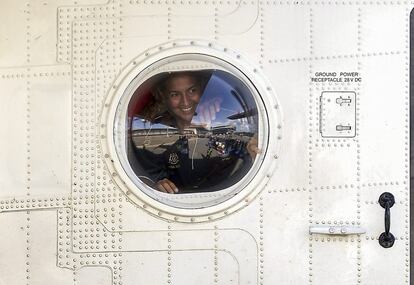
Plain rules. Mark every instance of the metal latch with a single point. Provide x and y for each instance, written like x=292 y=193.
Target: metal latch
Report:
x=337 y=114
x=336 y=230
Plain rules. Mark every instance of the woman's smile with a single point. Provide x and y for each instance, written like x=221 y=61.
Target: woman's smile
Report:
x=183 y=93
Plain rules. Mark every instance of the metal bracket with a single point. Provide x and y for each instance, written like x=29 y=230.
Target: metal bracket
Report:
x=336 y=230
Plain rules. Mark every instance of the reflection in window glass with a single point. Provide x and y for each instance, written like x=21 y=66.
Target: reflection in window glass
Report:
x=192 y=131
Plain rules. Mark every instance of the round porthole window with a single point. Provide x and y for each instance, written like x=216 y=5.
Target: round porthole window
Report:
x=188 y=132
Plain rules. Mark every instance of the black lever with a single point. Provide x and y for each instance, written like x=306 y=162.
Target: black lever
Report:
x=386 y=200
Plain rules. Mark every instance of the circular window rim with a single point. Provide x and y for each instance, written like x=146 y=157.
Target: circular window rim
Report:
x=204 y=199
x=133 y=192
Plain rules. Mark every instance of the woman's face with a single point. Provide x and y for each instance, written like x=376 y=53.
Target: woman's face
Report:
x=183 y=93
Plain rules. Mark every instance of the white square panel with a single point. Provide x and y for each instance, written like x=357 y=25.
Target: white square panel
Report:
x=383 y=119
x=145 y=27
x=183 y=25
x=384 y=28
x=334 y=165
x=384 y=266
x=285 y=232
x=13 y=33
x=13 y=250
x=286 y=32
x=43 y=36
x=334 y=262
x=13 y=146
x=243 y=36
x=43 y=250
x=334 y=30
x=93 y=275
x=50 y=135
x=334 y=204
x=292 y=171
x=150 y=268
x=202 y=264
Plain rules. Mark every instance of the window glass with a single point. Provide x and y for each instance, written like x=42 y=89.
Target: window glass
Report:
x=192 y=131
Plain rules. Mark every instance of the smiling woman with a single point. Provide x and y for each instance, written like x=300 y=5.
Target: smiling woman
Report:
x=192 y=131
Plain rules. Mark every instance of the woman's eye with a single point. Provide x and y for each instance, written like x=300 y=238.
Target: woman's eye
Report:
x=173 y=94
x=193 y=90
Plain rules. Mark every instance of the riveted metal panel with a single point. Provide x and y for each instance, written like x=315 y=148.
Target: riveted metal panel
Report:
x=68 y=211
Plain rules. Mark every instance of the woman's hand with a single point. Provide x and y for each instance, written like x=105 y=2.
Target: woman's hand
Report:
x=252 y=147
x=207 y=110
x=167 y=186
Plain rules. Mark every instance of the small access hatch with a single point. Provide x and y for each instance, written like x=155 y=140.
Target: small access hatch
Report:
x=337 y=114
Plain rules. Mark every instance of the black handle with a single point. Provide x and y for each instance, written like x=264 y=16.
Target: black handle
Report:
x=386 y=200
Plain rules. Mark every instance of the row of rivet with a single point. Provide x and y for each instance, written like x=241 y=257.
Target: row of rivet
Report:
x=28 y=142
x=47 y=201
x=321 y=238
x=376 y=237
x=334 y=222
x=331 y=142
x=310 y=143
x=111 y=64
x=332 y=145
x=182 y=2
x=357 y=239
x=169 y=32
x=64 y=245
x=375 y=202
x=67 y=258
x=216 y=260
x=262 y=35
x=358 y=147
x=216 y=23
x=32 y=206
x=29 y=74
x=336 y=57
x=370 y=185
x=86 y=239
x=169 y=254
x=261 y=242
x=80 y=48
x=69 y=14
x=406 y=145
x=275 y=3
x=87 y=36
